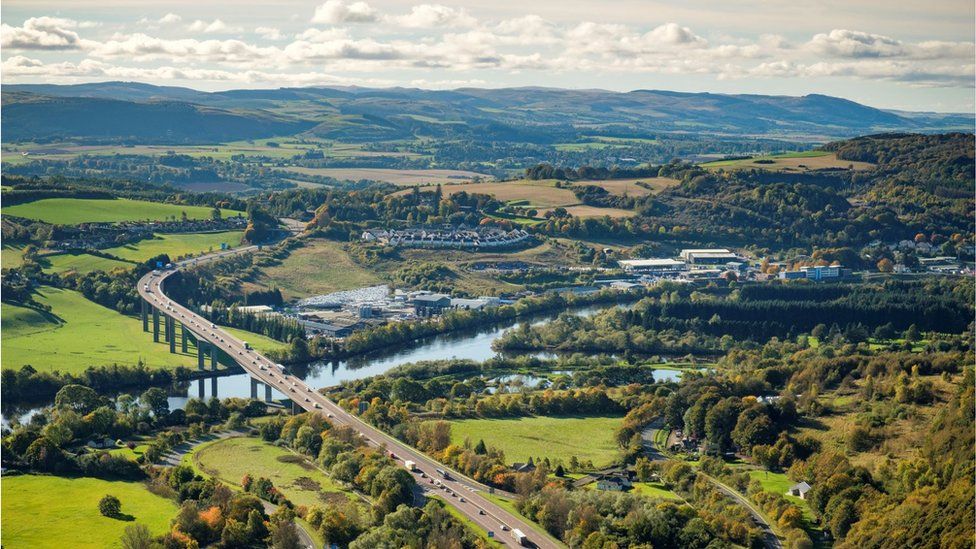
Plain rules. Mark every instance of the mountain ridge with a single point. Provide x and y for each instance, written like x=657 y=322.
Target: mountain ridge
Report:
x=531 y=114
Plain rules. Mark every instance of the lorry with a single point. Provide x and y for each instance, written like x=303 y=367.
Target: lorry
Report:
x=519 y=537
x=411 y=466
x=444 y=474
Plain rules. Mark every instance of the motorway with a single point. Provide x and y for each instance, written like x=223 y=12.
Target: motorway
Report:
x=460 y=492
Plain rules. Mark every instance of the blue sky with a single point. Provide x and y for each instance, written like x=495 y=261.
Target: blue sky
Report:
x=890 y=54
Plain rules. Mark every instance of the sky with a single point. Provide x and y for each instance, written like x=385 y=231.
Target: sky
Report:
x=893 y=54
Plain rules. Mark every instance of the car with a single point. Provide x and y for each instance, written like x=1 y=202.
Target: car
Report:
x=262 y=367
x=281 y=381
x=423 y=474
x=317 y=405
x=212 y=325
x=293 y=390
x=462 y=500
x=504 y=528
x=481 y=511
x=307 y=400
x=330 y=415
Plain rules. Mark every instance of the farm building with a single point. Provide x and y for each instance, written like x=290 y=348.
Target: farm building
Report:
x=800 y=490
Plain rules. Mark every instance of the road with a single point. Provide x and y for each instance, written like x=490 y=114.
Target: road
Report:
x=460 y=492
x=656 y=454
x=771 y=539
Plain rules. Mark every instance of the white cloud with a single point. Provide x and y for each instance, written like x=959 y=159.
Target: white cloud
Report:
x=215 y=26
x=435 y=15
x=169 y=19
x=855 y=44
x=269 y=33
x=338 y=11
x=42 y=33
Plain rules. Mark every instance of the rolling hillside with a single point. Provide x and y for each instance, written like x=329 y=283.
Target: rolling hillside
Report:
x=141 y=113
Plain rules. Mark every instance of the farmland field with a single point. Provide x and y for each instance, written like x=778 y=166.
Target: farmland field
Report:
x=71 y=211
x=176 y=245
x=800 y=161
x=78 y=333
x=11 y=256
x=80 y=263
x=50 y=511
x=584 y=211
x=320 y=267
x=230 y=459
x=629 y=187
x=542 y=193
x=587 y=438
x=396 y=177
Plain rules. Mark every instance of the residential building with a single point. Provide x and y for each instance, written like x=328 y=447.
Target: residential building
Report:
x=614 y=482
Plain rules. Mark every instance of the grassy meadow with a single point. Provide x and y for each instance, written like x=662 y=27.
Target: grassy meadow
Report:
x=80 y=263
x=587 y=438
x=230 y=459
x=72 y=211
x=176 y=245
x=320 y=267
x=50 y=511
x=78 y=333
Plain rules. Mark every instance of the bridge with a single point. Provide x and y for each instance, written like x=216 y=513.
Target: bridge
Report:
x=460 y=492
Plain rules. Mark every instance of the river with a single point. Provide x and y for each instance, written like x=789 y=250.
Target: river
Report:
x=469 y=344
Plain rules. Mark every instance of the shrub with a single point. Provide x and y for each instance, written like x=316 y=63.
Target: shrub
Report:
x=110 y=506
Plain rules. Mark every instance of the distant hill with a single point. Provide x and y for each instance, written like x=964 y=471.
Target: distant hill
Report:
x=534 y=115
x=28 y=116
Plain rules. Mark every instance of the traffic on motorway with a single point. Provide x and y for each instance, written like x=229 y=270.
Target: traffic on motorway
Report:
x=433 y=477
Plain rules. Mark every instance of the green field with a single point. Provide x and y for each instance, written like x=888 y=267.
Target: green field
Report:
x=587 y=438
x=79 y=333
x=176 y=245
x=71 y=211
x=48 y=511
x=655 y=490
x=80 y=263
x=230 y=459
x=11 y=257
x=320 y=267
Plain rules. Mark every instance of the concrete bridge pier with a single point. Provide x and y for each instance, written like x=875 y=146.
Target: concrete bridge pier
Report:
x=267 y=392
x=213 y=387
x=254 y=388
x=145 y=315
x=183 y=337
x=155 y=315
x=172 y=334
x=213 y=357
x=200 y=352
x=200 y=392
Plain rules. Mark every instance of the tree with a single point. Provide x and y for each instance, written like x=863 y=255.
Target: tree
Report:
x=110 y=506
x=720 y=421
x=255 y=526
x=299 y=349
x=155 y=400
x=480 y=448
x=285 y=536
x=885 y=265
x=407 y=390
x=215 y=214
x=912 y=334
x=78 y=398
x=235 y=534
x=136 y=536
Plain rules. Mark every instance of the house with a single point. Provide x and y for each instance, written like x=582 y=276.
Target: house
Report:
x=614 y=483
x=799 y=490
x=524 y=467
x=100 y=444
